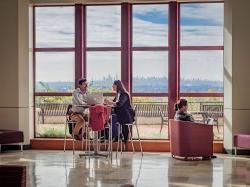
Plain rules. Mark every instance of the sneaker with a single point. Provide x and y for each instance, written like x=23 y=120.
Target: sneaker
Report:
x=78 y=136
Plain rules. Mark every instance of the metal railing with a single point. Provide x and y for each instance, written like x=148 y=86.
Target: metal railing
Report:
x=144 y=109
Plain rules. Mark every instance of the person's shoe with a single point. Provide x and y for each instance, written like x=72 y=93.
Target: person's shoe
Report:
x=206 y=158
x=102 y=139
x=78 y=136
x=115 y=139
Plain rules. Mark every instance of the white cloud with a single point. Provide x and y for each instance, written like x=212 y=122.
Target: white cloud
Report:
x=145 y=9
x=104 y=26
x=149 y=34
x=212 y=12
x=55 y=27
x=202 y=35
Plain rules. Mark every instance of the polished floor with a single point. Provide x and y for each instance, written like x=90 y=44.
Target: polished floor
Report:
x=59 y=169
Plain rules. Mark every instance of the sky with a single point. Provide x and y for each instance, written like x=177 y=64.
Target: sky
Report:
x=201 y=24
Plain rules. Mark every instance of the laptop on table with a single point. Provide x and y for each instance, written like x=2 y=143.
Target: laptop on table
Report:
x=95 y=98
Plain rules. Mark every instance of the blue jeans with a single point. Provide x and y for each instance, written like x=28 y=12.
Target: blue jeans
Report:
x=114 y=125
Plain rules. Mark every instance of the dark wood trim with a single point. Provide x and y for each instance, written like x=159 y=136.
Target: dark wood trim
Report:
x=147 y=145
x=34 y=68
x=45 y=94
x=103 y=49
x=119 y=3
x=156 y=48
x=137 y=94
x=150 y=94
x=198 y=48
x=201 y=95
x=53 y=5
x=126 y=44
x=78 y=43
x=222 y=1
x=84 y=40
x=55 y=49
x=173 y=60
x=53 y=94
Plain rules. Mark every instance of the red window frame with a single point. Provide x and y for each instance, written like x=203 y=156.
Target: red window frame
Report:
x=126 y=49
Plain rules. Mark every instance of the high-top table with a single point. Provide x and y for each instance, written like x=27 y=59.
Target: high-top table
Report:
x=96 y=152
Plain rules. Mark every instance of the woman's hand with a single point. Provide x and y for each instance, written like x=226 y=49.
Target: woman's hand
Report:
x=108 y=102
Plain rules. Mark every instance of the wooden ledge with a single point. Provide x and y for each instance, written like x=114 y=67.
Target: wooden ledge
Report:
x=148 y=145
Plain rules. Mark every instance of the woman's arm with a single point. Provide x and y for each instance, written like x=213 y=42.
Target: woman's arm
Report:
x=122 y=100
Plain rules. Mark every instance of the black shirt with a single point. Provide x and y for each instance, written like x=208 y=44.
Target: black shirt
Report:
x=183 y=116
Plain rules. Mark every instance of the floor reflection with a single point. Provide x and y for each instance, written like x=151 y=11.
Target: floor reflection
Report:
x=56 y=168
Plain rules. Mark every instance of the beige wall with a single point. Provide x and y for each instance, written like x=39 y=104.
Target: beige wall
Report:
x=236 y=69
x=15 y=80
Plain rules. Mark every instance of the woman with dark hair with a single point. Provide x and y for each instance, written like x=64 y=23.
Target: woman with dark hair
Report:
x=122 y=109
x=181 y=108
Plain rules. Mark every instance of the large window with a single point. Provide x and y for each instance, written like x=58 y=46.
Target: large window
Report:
x=150 y=67
x=201 y=59
x=54 y=67
x=55 y=33
x=103 y=37
x=201 y=56
x=141 y=44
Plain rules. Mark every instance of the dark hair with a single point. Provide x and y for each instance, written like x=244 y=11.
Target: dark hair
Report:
x=121 y=88
x=82 y=80
x=180 y=104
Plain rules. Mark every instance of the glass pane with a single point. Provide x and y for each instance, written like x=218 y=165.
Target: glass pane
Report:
x=102 y=69
x=213 y=106
x=150 y=71
x=55 y=72
x=149 y=118
x=201 y=71
x=150 y=25
x=202 y=24
x=50 y=115
x=55 y=26
x=104 y=26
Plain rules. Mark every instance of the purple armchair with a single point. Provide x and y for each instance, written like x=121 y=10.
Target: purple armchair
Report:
x=11 y=136
x=189 y=139
x=241 y=141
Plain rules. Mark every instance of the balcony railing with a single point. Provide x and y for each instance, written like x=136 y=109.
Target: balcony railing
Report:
x=144 y=109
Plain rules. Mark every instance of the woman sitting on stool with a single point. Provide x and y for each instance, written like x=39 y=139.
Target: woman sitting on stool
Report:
x=123 y=112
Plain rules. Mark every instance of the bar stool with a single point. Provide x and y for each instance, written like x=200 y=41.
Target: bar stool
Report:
x=69 y=122
x=130 y=126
